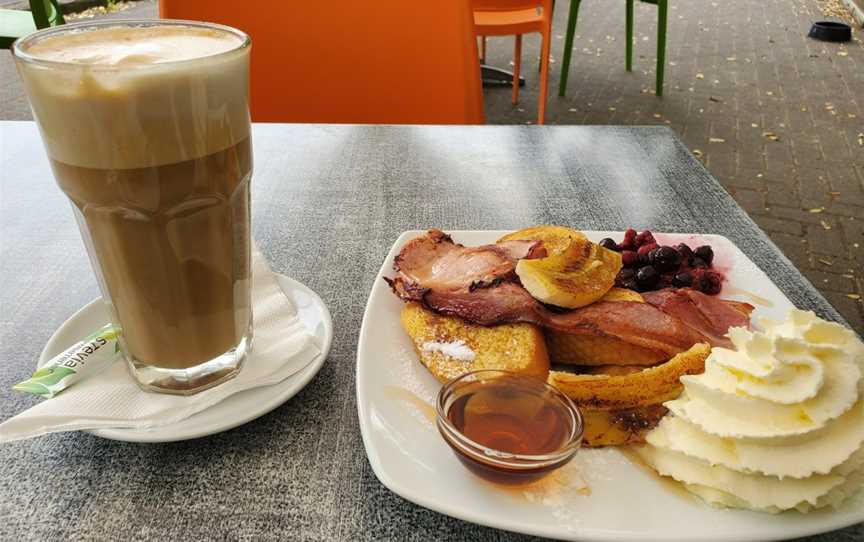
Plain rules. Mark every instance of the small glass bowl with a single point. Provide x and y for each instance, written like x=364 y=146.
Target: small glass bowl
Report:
x=502 y=466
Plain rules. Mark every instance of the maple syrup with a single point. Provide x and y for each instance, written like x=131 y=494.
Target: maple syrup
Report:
x=508 y=428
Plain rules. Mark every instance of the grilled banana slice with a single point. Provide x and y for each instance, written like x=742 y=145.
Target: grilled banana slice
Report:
x=579 y=275
x=619 y=408
x=622 y=294
x=555 y=238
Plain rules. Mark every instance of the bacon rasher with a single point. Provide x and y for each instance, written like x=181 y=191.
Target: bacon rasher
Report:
x=479 y=284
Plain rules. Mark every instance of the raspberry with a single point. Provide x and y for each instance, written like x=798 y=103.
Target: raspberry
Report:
x=645 y=249
x=629 y=242
x=628 y=258
x=645 y=238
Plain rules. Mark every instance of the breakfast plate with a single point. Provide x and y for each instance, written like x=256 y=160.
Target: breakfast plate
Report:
x=237 y=409
x=604 y=494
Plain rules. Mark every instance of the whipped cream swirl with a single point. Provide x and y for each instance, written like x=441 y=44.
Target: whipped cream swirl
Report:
x=775 y=424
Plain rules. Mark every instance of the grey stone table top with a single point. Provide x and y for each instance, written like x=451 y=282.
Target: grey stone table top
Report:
x=328 y=202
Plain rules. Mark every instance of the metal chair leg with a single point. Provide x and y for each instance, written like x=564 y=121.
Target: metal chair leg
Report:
x=661 y=45
x=628 y=59
x=568 y=46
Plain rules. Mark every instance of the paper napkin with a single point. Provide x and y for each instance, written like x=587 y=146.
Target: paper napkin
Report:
x=281 y=347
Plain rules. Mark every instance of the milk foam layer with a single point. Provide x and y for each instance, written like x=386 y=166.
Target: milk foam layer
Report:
x=130 y=46
x=137 y=96
x=775 y=424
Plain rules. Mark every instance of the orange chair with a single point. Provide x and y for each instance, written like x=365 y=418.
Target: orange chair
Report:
x=381 y=62
x=509 y=17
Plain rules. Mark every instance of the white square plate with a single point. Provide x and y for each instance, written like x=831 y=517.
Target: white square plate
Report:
x=623 y=500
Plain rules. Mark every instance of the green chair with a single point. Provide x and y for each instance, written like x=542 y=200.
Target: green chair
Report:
x=15 y=23
x=661 y=42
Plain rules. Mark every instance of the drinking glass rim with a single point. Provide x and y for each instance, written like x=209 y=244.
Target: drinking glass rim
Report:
x=20 y=54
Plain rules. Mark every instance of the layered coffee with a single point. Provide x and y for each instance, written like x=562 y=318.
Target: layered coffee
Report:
x=147 y=130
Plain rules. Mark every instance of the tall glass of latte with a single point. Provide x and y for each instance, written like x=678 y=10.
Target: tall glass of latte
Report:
x=146 y=125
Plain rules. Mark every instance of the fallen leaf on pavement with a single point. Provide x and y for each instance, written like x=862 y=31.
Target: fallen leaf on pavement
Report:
x=716 y=140
x=825 y=225
x=771 y=135
x=816 y=210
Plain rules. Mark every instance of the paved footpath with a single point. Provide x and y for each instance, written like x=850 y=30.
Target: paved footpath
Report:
x=776 y=117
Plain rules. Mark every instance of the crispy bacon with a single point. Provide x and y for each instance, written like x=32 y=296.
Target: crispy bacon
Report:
x=480 y=285
x=708 y=315
x=639 y=324
x=502 y=303
x=435 y=262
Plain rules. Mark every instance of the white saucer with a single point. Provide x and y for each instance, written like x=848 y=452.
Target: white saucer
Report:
x=233 y=411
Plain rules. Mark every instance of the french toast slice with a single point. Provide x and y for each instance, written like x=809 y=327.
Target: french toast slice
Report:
x=450 y=347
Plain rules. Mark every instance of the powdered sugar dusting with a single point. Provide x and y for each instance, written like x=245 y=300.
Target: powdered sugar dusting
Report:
x=456 y=349
x=558 y=491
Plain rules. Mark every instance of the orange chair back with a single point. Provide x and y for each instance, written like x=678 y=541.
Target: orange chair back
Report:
x=368 y=62
x=504 y=5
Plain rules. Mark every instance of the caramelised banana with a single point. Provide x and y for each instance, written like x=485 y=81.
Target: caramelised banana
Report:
x=619 y=408
x=555 y=238
x=575 y=273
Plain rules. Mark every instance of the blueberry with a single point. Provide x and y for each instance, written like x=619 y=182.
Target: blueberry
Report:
x=705 y=253
x=685 y=252
x=665 y=258
x=625 y=274
x=609 y=244
x=682 y=280
x=647 y=277
x=709 y=283
x=643 y=254
x=697 y=262
x=630 y=284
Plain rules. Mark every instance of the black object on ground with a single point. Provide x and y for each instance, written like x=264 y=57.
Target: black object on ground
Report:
x=830 y=31
x=497 y=77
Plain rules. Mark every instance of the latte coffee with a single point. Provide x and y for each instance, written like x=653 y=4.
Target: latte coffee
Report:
x=146 y=125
